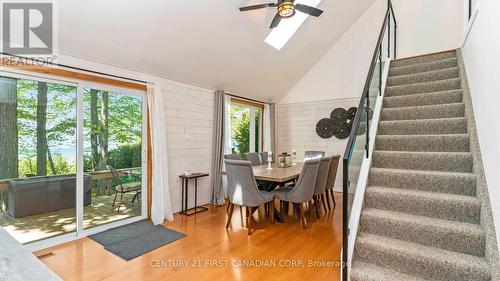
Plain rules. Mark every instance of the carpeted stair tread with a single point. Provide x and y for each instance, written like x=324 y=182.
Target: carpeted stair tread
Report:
x=362 y=271
x=455 y=236
x=428 y=161
x=425 y=126
x=425 y=87
x=450 y=110
x=423 y=203
x=444 y=97
x=426 y=143
x=431 y=181
x=419 y=260
x=423 y=67
x=428 y=76
x=424 y=58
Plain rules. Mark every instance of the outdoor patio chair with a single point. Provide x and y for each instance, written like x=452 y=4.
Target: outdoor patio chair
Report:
x=124 y=188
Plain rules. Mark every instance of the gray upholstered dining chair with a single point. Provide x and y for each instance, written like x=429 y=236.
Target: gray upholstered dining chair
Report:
x=330 y=183
x=263 y=156
x=313 y=154
x=320 y=187
x=242 y=190
x=254 y=158
x=233 y=156
x=302 y=192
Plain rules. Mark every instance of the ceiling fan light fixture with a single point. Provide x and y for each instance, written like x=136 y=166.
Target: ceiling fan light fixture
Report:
x=286 y=9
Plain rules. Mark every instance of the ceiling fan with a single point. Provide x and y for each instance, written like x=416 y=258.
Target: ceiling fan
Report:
x=286 y=9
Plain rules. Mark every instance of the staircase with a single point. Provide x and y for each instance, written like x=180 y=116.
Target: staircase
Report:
x=420 y=218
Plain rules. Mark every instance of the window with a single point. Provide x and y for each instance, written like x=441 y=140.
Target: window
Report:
x=46 y=168
x=246 y=126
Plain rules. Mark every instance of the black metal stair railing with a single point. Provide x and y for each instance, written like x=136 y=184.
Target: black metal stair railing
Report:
x=358 y=145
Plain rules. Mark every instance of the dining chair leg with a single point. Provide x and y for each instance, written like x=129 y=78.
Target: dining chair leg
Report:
x=271 y=211
x=230 y=215
x=323 y=202
x=333 y=197
x=249 y=220
x=301 y=215
x=228 y=206
x=316 y=206
x=296 y=211
x=328 y=200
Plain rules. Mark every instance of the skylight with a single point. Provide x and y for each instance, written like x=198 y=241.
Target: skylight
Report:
x=287 y=28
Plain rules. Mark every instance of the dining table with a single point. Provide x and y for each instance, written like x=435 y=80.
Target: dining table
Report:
x=279 y=176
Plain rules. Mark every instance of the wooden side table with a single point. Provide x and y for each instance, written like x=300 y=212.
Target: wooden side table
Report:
x=185 y=187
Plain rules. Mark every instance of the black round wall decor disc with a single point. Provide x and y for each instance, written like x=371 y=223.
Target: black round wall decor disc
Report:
x=325 y=128
x=352 y=112
x=339 y=116
x=342 y=132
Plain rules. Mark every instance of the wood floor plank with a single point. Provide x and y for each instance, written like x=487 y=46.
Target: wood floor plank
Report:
x=211 y=252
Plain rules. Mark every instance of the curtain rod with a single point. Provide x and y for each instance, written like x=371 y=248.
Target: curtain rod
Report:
x=243 y=98
x=79 y=69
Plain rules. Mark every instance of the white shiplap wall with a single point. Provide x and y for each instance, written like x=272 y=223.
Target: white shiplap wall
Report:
x=189 y=111
x=296 y=129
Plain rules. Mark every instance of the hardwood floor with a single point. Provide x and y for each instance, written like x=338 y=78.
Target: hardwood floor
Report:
x=211 y=252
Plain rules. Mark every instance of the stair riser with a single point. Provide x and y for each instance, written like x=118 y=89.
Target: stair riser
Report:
x=467 y=242
x=423 y=99
x=442 y=208
x=444 y=74
x=454 y=184
x=424 y=59
x=461 y=184
x=458 y=162
x=434 y=127
x=427 y=112
x=438 y=143
x=428 y=87
x=424 y=268
x=417 y=68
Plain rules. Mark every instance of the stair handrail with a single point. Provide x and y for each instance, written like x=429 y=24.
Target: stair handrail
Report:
x=364 y=102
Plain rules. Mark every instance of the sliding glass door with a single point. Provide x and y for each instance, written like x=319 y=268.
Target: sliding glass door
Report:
x=113 y=130
x=72 y=157
x=37 y=158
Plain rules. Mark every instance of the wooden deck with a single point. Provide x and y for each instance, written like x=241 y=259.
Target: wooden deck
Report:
x=211 y=252
x=42 y=226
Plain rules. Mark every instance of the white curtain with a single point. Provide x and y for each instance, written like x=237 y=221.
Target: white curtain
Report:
x=161 y=206
x=228 y=148
x=267 y=146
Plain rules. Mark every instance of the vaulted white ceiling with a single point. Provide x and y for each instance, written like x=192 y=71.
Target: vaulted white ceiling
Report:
x=202 y=42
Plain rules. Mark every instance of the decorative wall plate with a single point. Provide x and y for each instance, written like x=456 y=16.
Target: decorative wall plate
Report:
x=339 y=124
x=339 y=116
x=352 y=112
x=325 y=128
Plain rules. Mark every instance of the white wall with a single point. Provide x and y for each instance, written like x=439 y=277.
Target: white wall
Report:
x=296 y=129
x=428 y=26
x=424 y=26
x=189 y=111
x=342 y=71
x=482 y=60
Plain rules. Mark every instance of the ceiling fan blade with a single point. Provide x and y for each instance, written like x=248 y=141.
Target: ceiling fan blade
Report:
x=255 y=7
x=315 y=12
x=275 y=21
